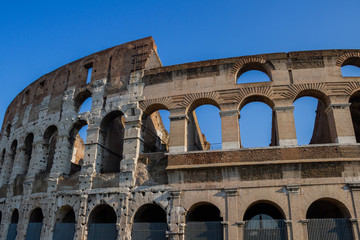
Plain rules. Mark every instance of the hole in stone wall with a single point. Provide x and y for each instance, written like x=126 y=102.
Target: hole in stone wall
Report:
x=2 y=158
x=263 y=211
x=28 y=151
x=50 y=139
x=154 y=132
x=111 y=141
x=355 y=114
x=8 y=130
x=350 y=71
x=89 y=68
x=204 y=128
x=253 y=76
x=311 y=121
x=65 y=215
x=150 y=213
x=255 y=122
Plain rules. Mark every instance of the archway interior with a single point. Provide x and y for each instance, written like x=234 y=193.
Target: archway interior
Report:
x=86 y=105
x=256 y=125
x=355 y=114
x=155 y=131
x=50 y=139
x=15 y=216
x=65 y=215
x=111 y=142
x=327 y=209
x=263 y=211
x=28 y=150
x=150 y=213
x=103 y=214
x=78 y=137
x=36 y=216
x=351 y=67
x=311 y=121
x=204 y=128
x=253 y=76
x=204 y=213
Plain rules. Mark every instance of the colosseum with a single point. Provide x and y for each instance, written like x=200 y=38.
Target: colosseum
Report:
x=132 y=179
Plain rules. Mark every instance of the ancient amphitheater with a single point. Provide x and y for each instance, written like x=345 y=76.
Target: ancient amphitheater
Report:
x=131 y=179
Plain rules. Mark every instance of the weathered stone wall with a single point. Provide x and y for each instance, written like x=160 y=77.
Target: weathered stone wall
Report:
x=128 y=86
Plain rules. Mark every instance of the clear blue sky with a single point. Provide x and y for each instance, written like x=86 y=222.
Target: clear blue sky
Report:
x=37 y=37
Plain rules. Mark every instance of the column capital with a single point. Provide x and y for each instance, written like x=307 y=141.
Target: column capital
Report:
x=175 y=194
x=231 y=192
x=229 y=113
x=179 y=117
x=304 y=221
x=353 y=220
x=240 y=223
x=284 y=108
x=294 y=189
x=336 y=106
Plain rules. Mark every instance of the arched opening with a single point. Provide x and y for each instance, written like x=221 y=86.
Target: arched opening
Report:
x=149 y=223
x=203 y=221
x=8 y=164
x=311 y=120
x=28 y=151
x=65 y=224
x=78 y=135
x=264 y=220
x=328 y=219
x=83 y=102
x=2 y=159
x=111 y=142
x=35 y=224
x=155 y=129
x=12 y=231
x=204 y=126
x=253 y=72
x=355 y=113
x=102 y=223
x=256 y=123
x=253 y=76
x=50 y=139
x=351 y=67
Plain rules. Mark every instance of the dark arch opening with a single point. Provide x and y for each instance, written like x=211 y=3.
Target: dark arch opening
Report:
x=204 y=212
x=78 y=135
x=203 y=134
x=203 y=221
x=155 y=129
x=65 y=214
x=149 y=223
x=327 y=208
x=83 y=101
x=15 y=216
x=351 y=67
x=311 y=120
x=28 y=151
x=102 y=223
x=259 y=210
x=257 y=131
x=112 y=141
x=8 y=166
x=355 y=114
x=150 y=213
x=36 y=216
x=50 y=139
x=2 y=158
x=102 y=214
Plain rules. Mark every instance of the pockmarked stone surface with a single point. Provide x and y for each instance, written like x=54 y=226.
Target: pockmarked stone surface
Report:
x=130 y=178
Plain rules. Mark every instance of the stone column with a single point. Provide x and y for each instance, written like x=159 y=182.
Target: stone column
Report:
x=231 y=213
x=37 y=163
x=81 y=224
x=61 y=164
x=288 y=224
x=355 y=228
x=18 y=165
x=355 y=195
x=131 y=150
x=6 y=169
x=176 y=218
x=340 y=123
x=178 y=131
x=240 y=225
x=293 y=193
x=230 y=131
x=304 y=224
x=285 y=125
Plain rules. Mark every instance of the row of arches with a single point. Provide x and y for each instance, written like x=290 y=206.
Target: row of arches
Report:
x=328 y=219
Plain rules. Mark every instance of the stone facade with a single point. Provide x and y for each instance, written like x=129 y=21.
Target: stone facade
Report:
x=130 y=161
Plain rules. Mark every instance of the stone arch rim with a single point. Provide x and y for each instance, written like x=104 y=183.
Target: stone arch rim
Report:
x=256 y=97
x=266 y=201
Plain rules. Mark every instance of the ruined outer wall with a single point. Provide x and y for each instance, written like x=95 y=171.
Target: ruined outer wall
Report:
x=130 y=78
